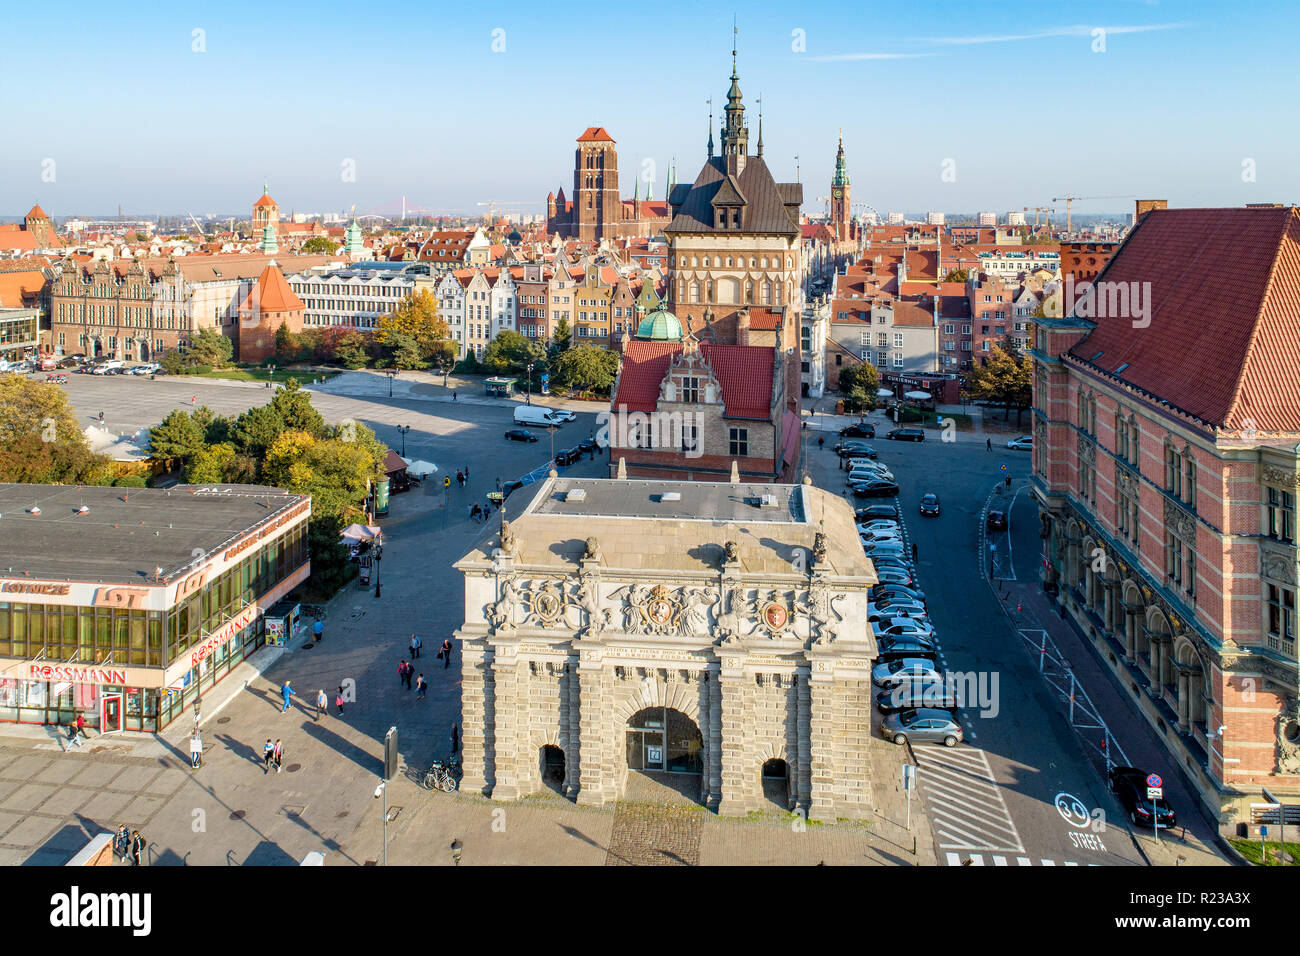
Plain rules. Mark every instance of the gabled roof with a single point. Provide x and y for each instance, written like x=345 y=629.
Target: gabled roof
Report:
x=36 y=213
x=744 y=372
x=728 y=193
x=765 y=200
x=1223 y=344
x=595 y=134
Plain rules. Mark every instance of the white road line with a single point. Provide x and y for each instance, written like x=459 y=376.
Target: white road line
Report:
x=1023 y=861
x=1047 y=863
x=977 y=859
x=965 y=801
x=999 y=861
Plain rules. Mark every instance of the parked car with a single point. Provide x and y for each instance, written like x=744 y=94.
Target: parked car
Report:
x=851 y=449
x=907 y=670
x=888 y=575
x=896 y=607
x=930 y=505
x=876 y=488
x=864 y=462
x=895 y=562
x=510 y=486
x=879 y=524
x=883 y=591
x=866 y=451
x=858 y=430
x=996 y=521
x=70 y=361
x=568 y=456
x=1130 y=785
x=923 y=725
x=906 y=434
x=1023 y=443
x=870 y=474
x=563 y=414
x=899 y=648
x=885 y=533
x=588 y=445
x=911 y=696
x=520 y=434
x=896 y=628
x=876 y=511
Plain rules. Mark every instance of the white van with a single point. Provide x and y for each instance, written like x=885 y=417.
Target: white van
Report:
x=536 y=415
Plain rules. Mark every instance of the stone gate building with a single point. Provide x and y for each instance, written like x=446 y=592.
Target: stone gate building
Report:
x=616 y=625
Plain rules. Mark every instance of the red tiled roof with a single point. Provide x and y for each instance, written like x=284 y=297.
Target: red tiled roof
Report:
x=764 y=320
x=272 y=293
x=266 y=200
x=20 y=289
x=745 y=374
x=913 y=314
x=595 y=134
x=37 y=213
x=644 y=367
x=1223 y=344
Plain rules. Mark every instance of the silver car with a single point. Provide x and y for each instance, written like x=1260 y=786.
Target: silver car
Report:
x=924 y=725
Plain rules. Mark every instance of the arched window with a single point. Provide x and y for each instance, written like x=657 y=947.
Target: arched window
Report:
x=706 y=262
x=1189 y=476
x=765 y=262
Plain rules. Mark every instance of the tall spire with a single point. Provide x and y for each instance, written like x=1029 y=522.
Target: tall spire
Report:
x=841 y=170
x=760 y=123
x=710 y=102
x=735 y=135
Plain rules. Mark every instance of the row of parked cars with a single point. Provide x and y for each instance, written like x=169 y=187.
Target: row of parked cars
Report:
x=912 y=692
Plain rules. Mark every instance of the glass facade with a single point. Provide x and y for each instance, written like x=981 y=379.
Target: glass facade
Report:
x=118 y=638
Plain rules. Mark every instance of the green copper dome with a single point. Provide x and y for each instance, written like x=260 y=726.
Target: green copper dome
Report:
x=660 y=326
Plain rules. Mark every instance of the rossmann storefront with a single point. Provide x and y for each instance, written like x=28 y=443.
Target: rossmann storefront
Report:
x=136 y=654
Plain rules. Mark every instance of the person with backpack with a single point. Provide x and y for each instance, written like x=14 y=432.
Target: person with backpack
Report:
x=338 y=700
x=277 y=755
x=122 y=843
x=196 y=749
x=421 y=685
x=445 y=653
x=137 y=847
x=268 y=754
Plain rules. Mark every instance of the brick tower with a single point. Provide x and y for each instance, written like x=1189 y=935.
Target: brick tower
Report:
x=597 y=209
x=840 y=193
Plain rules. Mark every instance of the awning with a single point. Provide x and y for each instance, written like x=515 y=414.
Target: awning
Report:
x=885 y=393
x=360 y=532
x=918 y=396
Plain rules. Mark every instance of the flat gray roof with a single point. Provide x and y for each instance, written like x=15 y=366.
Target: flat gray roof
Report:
x=644 y=498
x=128 y=532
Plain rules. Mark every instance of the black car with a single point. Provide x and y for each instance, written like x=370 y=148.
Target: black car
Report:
x=1130 y=785
x=520 y=434
x=882 y=592
x=587 y=445
x=874 y=489
x=906 y=434
x=930 y=505
x=508 y=487
x=858 y=430
x=72 y=361
x=996 y=521
x=906 y=696
x=568 y=456
x=853 y=449
x=872 y=512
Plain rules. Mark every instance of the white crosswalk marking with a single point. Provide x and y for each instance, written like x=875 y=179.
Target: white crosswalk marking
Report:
x=964 y=801
x=977 y=859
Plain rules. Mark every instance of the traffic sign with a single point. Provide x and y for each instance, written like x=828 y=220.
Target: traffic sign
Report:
x=909 y=776
x=1003 y=466
x=1153 y=780
x=446 y=482
x=1155 y=793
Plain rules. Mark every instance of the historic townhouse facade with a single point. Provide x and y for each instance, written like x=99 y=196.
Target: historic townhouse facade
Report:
x=1166 y=472
x=451 y=307
x=708 y=631
x=356 y=298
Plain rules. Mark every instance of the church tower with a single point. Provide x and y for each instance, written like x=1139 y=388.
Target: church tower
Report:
x=735 y=135
x=266 y=211
x=840 y=193
x=597 y=208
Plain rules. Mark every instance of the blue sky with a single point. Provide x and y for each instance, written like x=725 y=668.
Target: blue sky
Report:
x=415 y=95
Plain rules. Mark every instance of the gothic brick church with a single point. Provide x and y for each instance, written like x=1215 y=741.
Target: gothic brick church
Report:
x=596 y=210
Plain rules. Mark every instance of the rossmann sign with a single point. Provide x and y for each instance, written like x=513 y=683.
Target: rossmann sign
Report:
x=77 y=675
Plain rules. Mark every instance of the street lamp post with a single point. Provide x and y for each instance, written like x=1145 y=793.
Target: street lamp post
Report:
x=379 y=554
x=551 y=429
x=530 y=383
x=392 y=374
x=402 y=430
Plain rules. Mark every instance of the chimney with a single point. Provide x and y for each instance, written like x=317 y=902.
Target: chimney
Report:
x=1144 y=206
x=742 y=327
x=622 y=469
x=735 y=473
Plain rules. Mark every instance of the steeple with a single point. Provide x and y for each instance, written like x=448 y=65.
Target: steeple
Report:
x=710 y=102
x=760 y=124
x=735 y=135
x=841 y=171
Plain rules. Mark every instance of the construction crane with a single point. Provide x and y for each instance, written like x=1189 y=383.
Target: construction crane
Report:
x=492 y=204
x=827 y=200
x=1036 y=210
x=1067 y=199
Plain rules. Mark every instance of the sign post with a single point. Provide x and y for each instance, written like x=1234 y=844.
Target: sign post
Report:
x=909 y=781
x=1155 y=790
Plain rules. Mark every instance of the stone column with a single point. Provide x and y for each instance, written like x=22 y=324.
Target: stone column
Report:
x=596 y=784
x=1184 y=700
x=1108 y=614
x=572 y=727
x=713 y=737
x=821 y=742
x=735 y=796
x=1130 y=634
x=475 y=711
x=801 y=781
x=505 y=723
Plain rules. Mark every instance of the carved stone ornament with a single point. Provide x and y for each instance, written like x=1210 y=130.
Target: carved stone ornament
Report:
x=819 y=548
x=822 y=614
x=593 y=550
x=1127 y=483
x=597 y=616
x=508 y=540
x=501 y=614
x=1277 y=566
x=1288 y=737
x=774 y=615
x=731 y=552
x=1180 y=523
x=729 y=615
x=546 y=603
x=651 y=610
x=1087 y=450
x=1279 y=476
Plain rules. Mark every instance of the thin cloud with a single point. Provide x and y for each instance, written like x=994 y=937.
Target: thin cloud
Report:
x=1072 y=31
x=833 y=57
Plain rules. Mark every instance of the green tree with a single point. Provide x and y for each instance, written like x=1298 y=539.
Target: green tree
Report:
x=1005 y=379
x=295 y=409
x=859 y=384
x=561 y=338
x=216 y=428
x=349 y=350
x=177 y=436
x=212 y=465
x=256 y=430
x=286 y=345
x=587 y=368
x=957 y=275
x=28 y=459
x=209 y=347
x=403 y=352
x=172 y=363
x=512 y=352
x=28 y=407
x=319 y=245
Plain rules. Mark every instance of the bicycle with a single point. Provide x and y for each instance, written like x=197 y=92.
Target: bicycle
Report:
x=443 y=776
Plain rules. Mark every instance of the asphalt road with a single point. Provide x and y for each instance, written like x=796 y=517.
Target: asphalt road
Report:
x=1020 y=790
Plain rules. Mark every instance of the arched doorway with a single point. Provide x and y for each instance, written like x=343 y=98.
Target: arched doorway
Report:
x=144 y=350
x=775 y=777
x=660 y=739
x=551 y=765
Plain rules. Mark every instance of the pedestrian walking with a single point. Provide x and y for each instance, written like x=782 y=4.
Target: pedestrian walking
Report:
x=416 y=644
x=196 y=749
x=467 y=472
x=460 y=478
x=988 y=443
x=81 y=726
x=445 y=653
x=278 y=754
x=322 y=703
x=455 y=738
x=913 y=552
x=137 y=847
x=318 y=631
x=268 y=753
x=286 y=692
x=122 y=843
x=338 y=700
x=453 y=396
x=421 y=685
x=73 y=740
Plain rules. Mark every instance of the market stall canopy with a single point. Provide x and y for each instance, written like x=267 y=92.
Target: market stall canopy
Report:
x=393 y=463
x=420 y=468
x=360 y=532
x=919 y=396
x=122 y=448
x=885 y=393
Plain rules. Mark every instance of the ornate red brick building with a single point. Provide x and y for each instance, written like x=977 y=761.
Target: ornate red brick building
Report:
x=596 y=211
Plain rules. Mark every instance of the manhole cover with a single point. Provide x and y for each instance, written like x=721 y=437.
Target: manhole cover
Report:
x=309 y=645
x=237 y=814
x=294 y=767
x=341 y=814
x=223 y=720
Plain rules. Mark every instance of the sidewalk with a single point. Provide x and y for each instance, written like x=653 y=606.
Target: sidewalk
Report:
x=1193 y=842
x=428 y=387
x=820 y=416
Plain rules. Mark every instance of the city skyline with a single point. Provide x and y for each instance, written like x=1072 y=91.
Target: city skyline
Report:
x=230 y=100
